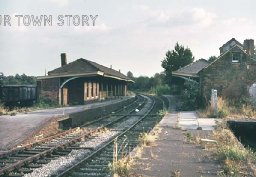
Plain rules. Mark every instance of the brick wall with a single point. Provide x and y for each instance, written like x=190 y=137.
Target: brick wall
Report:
x=49 y=88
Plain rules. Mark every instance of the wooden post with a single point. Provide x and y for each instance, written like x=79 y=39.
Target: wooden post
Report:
x=94 y=90
x=65 y=96
x=97 y=90
x=125 y=90
x=85 y=91
x=90 y=90
x=107 y=90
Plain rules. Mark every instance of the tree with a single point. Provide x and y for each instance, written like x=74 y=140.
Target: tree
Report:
x=130 y=75
x=1 y=78
x=212 y=59
x=176 y=59
x=18 y=80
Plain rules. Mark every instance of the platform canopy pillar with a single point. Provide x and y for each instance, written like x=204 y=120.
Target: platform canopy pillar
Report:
x=85 y=91
x=125 y=90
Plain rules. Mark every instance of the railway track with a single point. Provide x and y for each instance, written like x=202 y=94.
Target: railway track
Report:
x=97 y=163
x=22 y=161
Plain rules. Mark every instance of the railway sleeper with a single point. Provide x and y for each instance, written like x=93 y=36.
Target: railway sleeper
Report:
x=14 y=175
x=25 y=170
x=77 y=174
x=22 y=155
x=42 y=161
x=93 y=170
x=32 y=152
x=34 y=165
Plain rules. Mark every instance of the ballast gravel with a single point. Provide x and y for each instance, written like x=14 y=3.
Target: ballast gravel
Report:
x=60 y=164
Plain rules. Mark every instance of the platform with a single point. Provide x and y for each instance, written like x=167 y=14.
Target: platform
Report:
x=15 y=129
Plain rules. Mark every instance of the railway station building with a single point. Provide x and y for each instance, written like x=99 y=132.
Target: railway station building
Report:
x=81 y=81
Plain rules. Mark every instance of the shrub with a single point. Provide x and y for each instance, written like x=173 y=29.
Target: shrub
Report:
x=190 y=96
x=161 y=90
x=147 y=139
x=46 y=103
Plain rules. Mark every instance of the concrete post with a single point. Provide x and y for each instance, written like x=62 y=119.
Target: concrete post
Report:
x=214 y=102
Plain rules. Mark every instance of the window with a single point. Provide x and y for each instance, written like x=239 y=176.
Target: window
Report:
x=236 y=57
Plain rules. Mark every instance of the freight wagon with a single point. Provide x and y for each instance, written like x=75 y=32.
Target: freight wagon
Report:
x=18 y=95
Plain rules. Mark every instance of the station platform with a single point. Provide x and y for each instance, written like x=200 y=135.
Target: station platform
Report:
x=172 y=155
x=15 y=129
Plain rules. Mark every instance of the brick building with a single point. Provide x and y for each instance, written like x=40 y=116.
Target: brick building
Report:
x=81 y=81
x=232 y=73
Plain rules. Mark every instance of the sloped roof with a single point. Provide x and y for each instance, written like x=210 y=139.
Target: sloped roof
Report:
x=236 y=43
x=222 y=55
x=83 y=67
x=192 y=69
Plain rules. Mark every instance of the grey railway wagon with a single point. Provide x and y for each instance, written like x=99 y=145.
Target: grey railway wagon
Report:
x=18 y=94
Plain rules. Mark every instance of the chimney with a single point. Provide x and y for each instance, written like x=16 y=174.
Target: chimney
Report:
x=63 y=59
x=249 y=46
x=111 y=66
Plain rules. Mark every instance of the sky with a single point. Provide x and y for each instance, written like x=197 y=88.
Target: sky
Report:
x=130 y=35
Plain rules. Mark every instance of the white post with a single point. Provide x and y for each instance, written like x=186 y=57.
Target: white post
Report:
x=214 y=102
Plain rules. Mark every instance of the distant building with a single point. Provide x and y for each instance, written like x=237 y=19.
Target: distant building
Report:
x=232 y=73
x=81 y=81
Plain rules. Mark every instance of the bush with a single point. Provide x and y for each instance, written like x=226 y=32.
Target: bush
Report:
x=190 y=96
x=161 y=90
x=46 y=103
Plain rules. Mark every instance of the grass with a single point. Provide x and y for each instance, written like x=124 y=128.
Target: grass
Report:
x=3 y=110
x=121 y=167
x=228 y=109
x=13 y=111
x=176 y=173
x=147 y=139
x=235 y=159
x=41 y=104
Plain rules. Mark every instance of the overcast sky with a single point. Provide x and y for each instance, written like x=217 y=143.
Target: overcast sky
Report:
x=130 y=35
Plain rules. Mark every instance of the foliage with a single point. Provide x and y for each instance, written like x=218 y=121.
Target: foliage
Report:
x=190 y=96
x=147 y=139
x=212 y=59
x=18 y=80
x=130 y=75
x=1 y=78
x=154 y=84
x=161 y=89
x=231 y=153
x=46 y=103
x=121 y=167
x=176 y=59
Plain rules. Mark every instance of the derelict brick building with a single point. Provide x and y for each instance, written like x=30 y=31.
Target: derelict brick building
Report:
x=232 y=73
x=81 y=81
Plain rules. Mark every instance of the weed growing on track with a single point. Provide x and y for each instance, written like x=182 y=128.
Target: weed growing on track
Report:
x=147 y=139
x=121 y=167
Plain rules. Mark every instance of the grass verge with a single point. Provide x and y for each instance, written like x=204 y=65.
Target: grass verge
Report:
x=236 y=160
